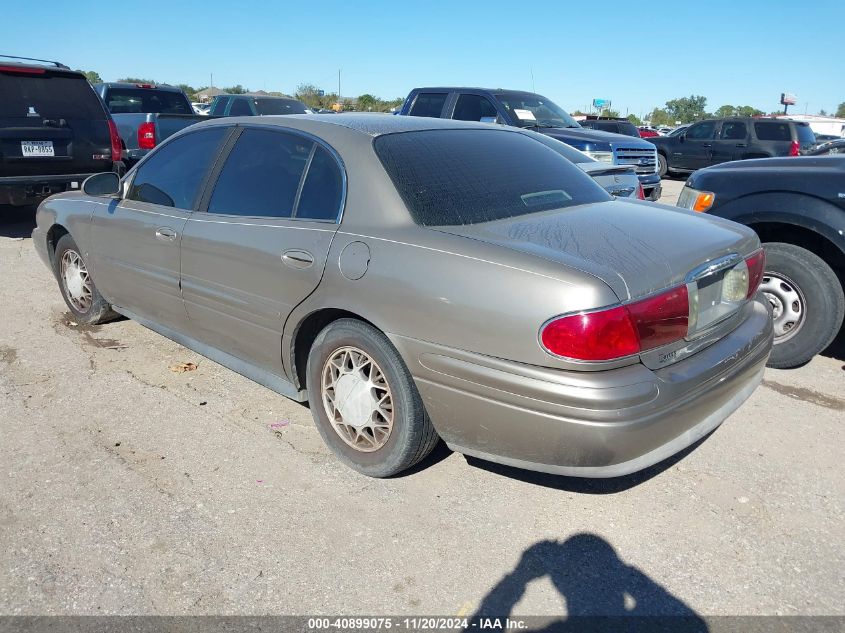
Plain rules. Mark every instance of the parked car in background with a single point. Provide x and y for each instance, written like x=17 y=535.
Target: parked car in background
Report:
x=797 y=207
x=618 y=180
x=608 y=124
x=528 y=110
x=416 y=279
x=647 y=132
x=54 y=131
x=716 y=141
x=678 y=130
x=146 y=114
x=200 y=108
x=248 y=105
x=828 y=147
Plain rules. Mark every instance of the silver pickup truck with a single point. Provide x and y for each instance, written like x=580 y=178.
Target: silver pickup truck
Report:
x=146 y=114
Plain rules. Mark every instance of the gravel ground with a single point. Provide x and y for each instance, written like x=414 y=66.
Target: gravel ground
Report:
x=128 y=488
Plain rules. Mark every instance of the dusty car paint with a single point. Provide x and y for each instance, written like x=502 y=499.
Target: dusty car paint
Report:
x=462 y=305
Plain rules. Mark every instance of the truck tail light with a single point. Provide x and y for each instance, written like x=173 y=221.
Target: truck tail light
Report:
x=795 y=149
x=620 y=331
x=116 y=146
x=147 y=135
x=756 y=263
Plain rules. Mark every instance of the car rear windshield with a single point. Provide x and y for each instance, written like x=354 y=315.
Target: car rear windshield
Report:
x=48 y=96
x=458 y=177
x=279 y=106
x=146 y=100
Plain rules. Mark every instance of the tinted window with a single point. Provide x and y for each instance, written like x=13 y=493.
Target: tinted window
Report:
x=240 y=107
x=48 y=96
x=805 y=134
x=529 y=109
x=173 y=174
x=279 y=106
x=567 y=151
x=734 y=131
x=123 y=100
x=452 y=177
x=218 y=108
x=261 y=175
x=702 y=130
x=771 y=131
x=473 y=108
x=429 y=104
x=321 y=193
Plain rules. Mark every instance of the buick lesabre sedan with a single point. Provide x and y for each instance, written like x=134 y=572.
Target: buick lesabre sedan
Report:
x=416 y=279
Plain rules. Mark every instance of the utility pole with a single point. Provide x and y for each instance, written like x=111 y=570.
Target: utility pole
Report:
x=533 y=88
x=338 y=85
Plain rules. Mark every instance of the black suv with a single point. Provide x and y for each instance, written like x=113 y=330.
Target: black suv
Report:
x=54 y=131
x=716 y=141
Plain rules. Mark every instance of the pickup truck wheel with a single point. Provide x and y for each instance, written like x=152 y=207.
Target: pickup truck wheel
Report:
x=662 y=166
x=364 y=401
x=807 y=301
x=78 y=290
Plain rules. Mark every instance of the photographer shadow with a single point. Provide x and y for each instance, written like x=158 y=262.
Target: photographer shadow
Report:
x=602 y=592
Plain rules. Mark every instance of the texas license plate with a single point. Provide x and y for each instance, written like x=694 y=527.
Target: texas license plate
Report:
x=37 y=148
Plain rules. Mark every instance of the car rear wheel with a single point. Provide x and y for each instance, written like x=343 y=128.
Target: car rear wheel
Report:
x=807 y=303
x=78 y=290
x=364 y=402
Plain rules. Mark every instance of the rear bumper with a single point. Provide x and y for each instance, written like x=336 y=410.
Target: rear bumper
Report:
x=17 y=190
x=587 y=424
x=652 y=187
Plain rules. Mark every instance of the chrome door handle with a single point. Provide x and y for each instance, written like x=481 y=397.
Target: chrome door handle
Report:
x=297 y=259
x=165 y=234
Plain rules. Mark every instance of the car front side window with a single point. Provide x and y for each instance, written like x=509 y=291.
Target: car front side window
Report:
x=701 y=131
x=173 y=175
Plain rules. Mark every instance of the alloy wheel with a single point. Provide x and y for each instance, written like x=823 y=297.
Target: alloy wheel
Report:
x=76 y=281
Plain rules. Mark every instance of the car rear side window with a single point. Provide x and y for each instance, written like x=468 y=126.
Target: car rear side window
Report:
x=806 y=136
x=456 y=177
x=734 y=131
x=279 y=106
x=240 y=107
x=261 y=175
x=772 y=131
x=323 y=188
x=219 y=107
x=48 y=95
x=429 y=104
x=173 y=174
x=136 y=100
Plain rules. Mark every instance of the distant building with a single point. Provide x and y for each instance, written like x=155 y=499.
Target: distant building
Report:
x=820 y=124
x=208 y=94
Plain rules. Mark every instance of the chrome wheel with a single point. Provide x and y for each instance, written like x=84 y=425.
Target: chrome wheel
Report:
x=787 y=304
x=76 y=281
x=357 y=399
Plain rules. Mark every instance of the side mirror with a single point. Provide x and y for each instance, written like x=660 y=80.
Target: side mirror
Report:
x=105 y=184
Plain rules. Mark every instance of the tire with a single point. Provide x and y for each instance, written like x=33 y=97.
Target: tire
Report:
x=84 y=301
x=662 y=166
x=795 y=274
x=370 y=451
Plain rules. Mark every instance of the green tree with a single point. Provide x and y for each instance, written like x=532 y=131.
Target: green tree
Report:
x=687 y=109
x=725 y=111
x=840 y=111
x=135 y=80
x=236 y=90
x=190 y=91
x=633 y=118
x=822 y=112
x=659 y=116
x=367 y=102
x=613 y=114
x=92 y=76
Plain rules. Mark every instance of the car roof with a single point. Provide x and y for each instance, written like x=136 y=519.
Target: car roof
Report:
x=131 y=84
x=496 y=91
x=372 y=125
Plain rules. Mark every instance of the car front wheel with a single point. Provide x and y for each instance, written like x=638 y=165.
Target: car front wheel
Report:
x=364 y=401
x=807 y=303
x=662 y=166
x=78 y=290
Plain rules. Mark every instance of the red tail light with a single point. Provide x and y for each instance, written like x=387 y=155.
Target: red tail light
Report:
x=147 y=135
x=116 y=146
x=795 y=149
x=640 y=192
x=756 y=265
x=622 y=330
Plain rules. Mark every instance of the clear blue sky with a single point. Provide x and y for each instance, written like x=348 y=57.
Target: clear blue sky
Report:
x=638 y=54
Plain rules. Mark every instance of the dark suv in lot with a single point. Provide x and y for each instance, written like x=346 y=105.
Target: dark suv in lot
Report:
x=715 y=141
x=54 y=131
x=536 y=112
